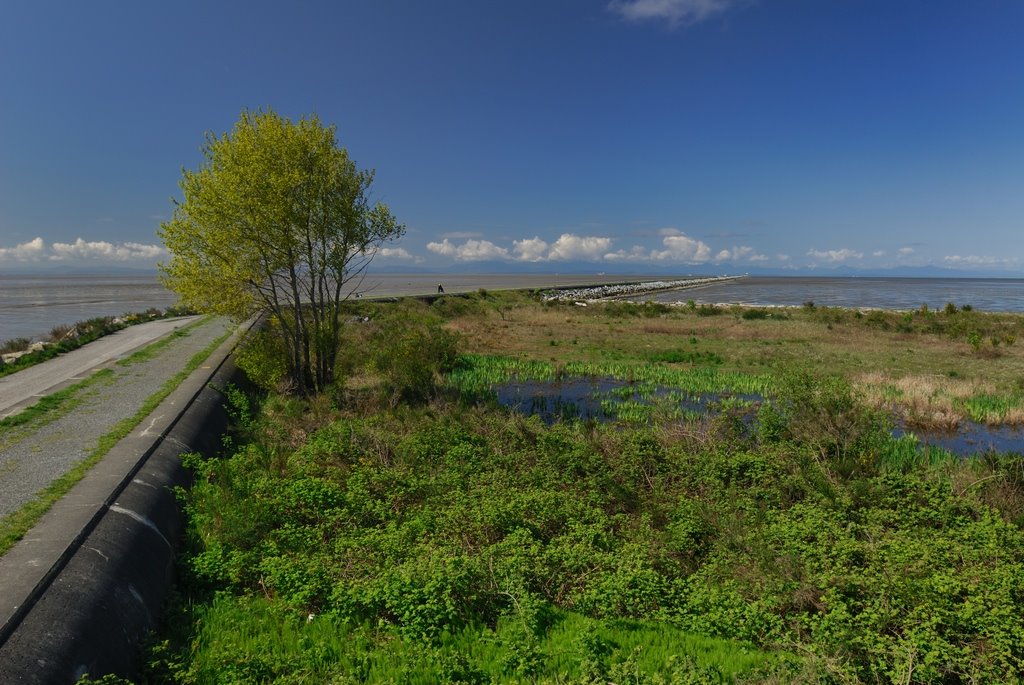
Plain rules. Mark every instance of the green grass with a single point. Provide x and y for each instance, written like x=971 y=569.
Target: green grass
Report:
x=252 y=639
x=14 y=526
x=992 y=409
x=905 y=454
x=477 y=372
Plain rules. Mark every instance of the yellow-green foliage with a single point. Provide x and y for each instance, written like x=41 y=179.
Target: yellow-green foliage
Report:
x=277 y=220
x=262 y=357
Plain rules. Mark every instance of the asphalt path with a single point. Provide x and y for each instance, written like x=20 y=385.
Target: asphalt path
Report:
x=24 y=388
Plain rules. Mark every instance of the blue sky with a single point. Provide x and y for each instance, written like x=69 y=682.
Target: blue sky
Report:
x=655 y=134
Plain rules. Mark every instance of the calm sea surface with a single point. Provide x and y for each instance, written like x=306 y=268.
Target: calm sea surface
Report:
x=32 y=305
x=990 y=295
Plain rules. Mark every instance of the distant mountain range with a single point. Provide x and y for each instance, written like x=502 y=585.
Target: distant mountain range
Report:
x=697 y=270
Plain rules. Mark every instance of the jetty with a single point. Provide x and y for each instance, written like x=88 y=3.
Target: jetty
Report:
x=624 y=290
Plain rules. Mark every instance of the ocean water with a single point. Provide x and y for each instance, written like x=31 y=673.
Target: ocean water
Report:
x=30 y=306
x=990 y=295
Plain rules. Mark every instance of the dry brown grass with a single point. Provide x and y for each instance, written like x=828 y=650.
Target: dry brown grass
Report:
x=663 y=328
x=923 y=375
x=1014 y=416
x=923 y=401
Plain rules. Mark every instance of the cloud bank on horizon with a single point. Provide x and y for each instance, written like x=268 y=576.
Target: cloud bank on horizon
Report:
x=81 y=252
x=675 y=248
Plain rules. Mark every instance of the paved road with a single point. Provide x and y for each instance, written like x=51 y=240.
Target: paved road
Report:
x=22 y=389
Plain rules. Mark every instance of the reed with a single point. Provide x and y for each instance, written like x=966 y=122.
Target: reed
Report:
x=476 y=372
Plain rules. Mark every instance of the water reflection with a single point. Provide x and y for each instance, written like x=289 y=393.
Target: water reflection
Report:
x=608 y=399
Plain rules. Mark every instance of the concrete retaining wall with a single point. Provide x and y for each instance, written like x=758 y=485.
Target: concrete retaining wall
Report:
x=89 y=612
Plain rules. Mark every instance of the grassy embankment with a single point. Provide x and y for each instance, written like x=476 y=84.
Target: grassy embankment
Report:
x=406 y=530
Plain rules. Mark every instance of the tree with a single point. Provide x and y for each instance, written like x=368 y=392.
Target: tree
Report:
x=278 y=221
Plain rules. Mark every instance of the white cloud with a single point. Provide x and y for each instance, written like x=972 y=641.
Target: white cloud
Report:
x=676 y=247
x=469 y=251
x=783 y=257
x=675 y=12
x=32 y=251
x=569 y=246
x=740 y=254
x=443 y=248
x=82 y=251
x=394 y=253
x=531 y=249
x=682 y=248
x=906 y=250
x=101 y=250
x=878 y=253
x=636 y=253
x=835 y=255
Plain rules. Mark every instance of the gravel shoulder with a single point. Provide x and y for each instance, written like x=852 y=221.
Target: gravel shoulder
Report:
x=34 y=455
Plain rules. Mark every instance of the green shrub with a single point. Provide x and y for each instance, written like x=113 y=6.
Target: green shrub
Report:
x=709 y=310
x=410 y=357
x=826 y=415
x=263 y=358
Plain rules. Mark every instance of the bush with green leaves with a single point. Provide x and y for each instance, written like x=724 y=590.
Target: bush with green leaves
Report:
x=261 y=357
x=410 y=353
x=826 y=415
x=474 y=544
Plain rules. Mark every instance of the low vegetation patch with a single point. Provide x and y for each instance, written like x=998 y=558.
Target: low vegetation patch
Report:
x=392 y=532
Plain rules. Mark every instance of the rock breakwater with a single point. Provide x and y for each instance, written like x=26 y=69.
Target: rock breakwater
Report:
x=604 y=292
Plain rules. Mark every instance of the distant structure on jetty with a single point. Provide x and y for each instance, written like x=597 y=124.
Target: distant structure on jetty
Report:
x=605 y=292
